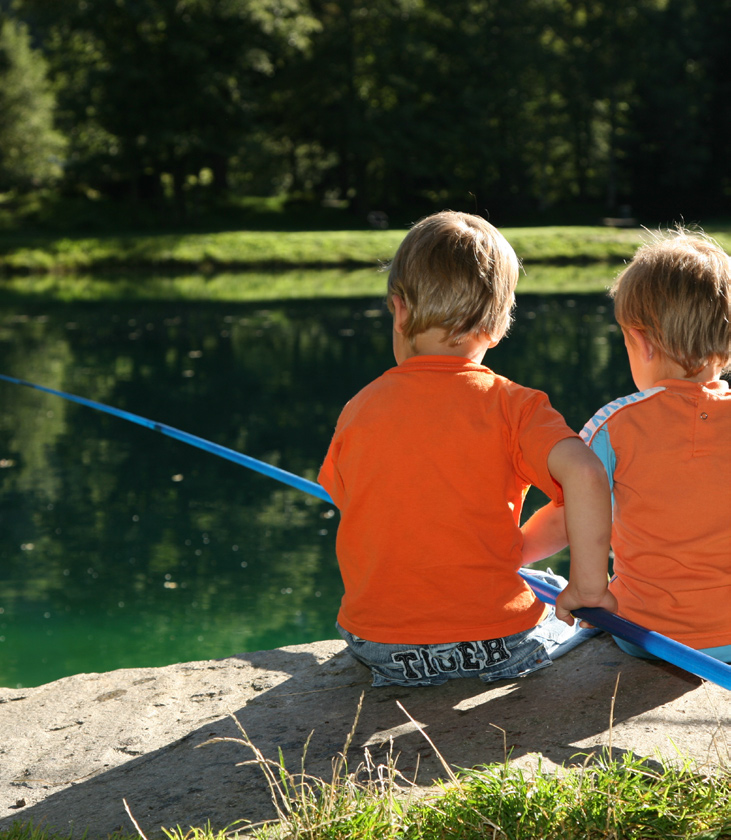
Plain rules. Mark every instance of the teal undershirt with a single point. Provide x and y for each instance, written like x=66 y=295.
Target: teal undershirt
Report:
x=723 y=652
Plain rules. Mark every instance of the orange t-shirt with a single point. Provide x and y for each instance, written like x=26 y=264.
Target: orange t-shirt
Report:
x=429 y=466
x=666 y=454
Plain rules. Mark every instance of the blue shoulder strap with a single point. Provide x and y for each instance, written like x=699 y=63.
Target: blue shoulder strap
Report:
x=610 y=409
x=595 y=433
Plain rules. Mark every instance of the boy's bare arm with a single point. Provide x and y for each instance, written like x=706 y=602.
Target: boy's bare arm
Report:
x=588 y=515
x=544 y=533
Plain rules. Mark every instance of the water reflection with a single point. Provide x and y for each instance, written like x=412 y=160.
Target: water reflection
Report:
x=124 y=548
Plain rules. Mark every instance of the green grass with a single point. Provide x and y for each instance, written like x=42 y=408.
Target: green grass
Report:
x=622 y=799
x=46 y=232
x=221 y=287
x=207 y=252
x=248 y=250
x=295 y=284
x=275 y=264
x=606 y=798
x=272 y=248
x=598 y=797
x=269 y=265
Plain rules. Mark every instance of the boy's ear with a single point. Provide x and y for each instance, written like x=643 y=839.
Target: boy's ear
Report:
x=644 y=346
x=400 y=313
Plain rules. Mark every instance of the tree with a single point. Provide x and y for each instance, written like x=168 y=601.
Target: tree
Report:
x=396 y=105
x=416 y=101
x=31 y=149
x=678 y=149
x=166 y=88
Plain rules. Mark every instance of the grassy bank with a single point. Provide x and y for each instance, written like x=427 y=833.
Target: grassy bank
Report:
x=197 y=252
x=248 y=250
x=258 y=265
x=600 y=797
x=268 y=286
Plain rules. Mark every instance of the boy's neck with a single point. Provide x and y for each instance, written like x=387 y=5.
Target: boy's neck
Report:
x=433 y=342
x=667 y=369
x=650 y=365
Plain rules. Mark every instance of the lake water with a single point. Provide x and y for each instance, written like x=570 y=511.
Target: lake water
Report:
x=121 y=547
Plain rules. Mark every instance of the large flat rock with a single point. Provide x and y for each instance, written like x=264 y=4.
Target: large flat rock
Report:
x=72 y=751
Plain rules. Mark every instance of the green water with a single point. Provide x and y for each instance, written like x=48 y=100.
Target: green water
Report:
x=120 y=547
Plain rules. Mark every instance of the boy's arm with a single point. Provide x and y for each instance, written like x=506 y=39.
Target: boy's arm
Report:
x=588 y=515
x=544 y=533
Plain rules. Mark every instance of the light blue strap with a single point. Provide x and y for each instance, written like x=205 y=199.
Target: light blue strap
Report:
x=601 y=446
x=601 y=417
x=723 y=652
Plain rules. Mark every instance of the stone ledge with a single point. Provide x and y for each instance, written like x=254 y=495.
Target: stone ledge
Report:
x=73 y=750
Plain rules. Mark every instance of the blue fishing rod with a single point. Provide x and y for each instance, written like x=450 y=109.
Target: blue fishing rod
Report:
x=658 y=645
x=208 y=446
x=684 y=657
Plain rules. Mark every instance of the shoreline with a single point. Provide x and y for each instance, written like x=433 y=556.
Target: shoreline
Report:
x=75 y=749
x=250 y=250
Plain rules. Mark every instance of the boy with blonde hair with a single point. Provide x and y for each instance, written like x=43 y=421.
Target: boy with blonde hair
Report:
x=665 y=449
x=429 y=465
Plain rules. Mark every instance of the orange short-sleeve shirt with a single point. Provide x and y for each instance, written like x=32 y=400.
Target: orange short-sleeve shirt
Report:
x=665 y=451
x=429 y=466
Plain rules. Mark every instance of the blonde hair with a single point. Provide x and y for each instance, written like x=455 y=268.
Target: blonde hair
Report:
x=677 y=288
x=457 y=272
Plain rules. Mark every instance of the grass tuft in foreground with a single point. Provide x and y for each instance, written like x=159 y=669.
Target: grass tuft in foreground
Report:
x=371 y=803
x=603 y=798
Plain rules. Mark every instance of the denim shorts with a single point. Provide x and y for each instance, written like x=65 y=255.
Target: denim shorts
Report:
x=504 y=658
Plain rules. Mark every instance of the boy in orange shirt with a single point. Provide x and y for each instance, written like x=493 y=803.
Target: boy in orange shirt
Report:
x=429 y=466
x=665 y=449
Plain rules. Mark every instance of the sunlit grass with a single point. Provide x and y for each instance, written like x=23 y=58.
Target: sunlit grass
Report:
x=605 y=798
x=602 y=798
x=573 y=243
x=209 y=252
x=257 y=265
x=270 y=286
x=226 y=286
x=212 y=252
x=599 y=797
x=569 y=279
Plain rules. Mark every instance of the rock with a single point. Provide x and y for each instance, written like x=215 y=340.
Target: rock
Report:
x=73 y=751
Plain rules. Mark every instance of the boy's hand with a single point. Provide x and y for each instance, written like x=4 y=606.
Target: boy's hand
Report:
x=569 y=600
